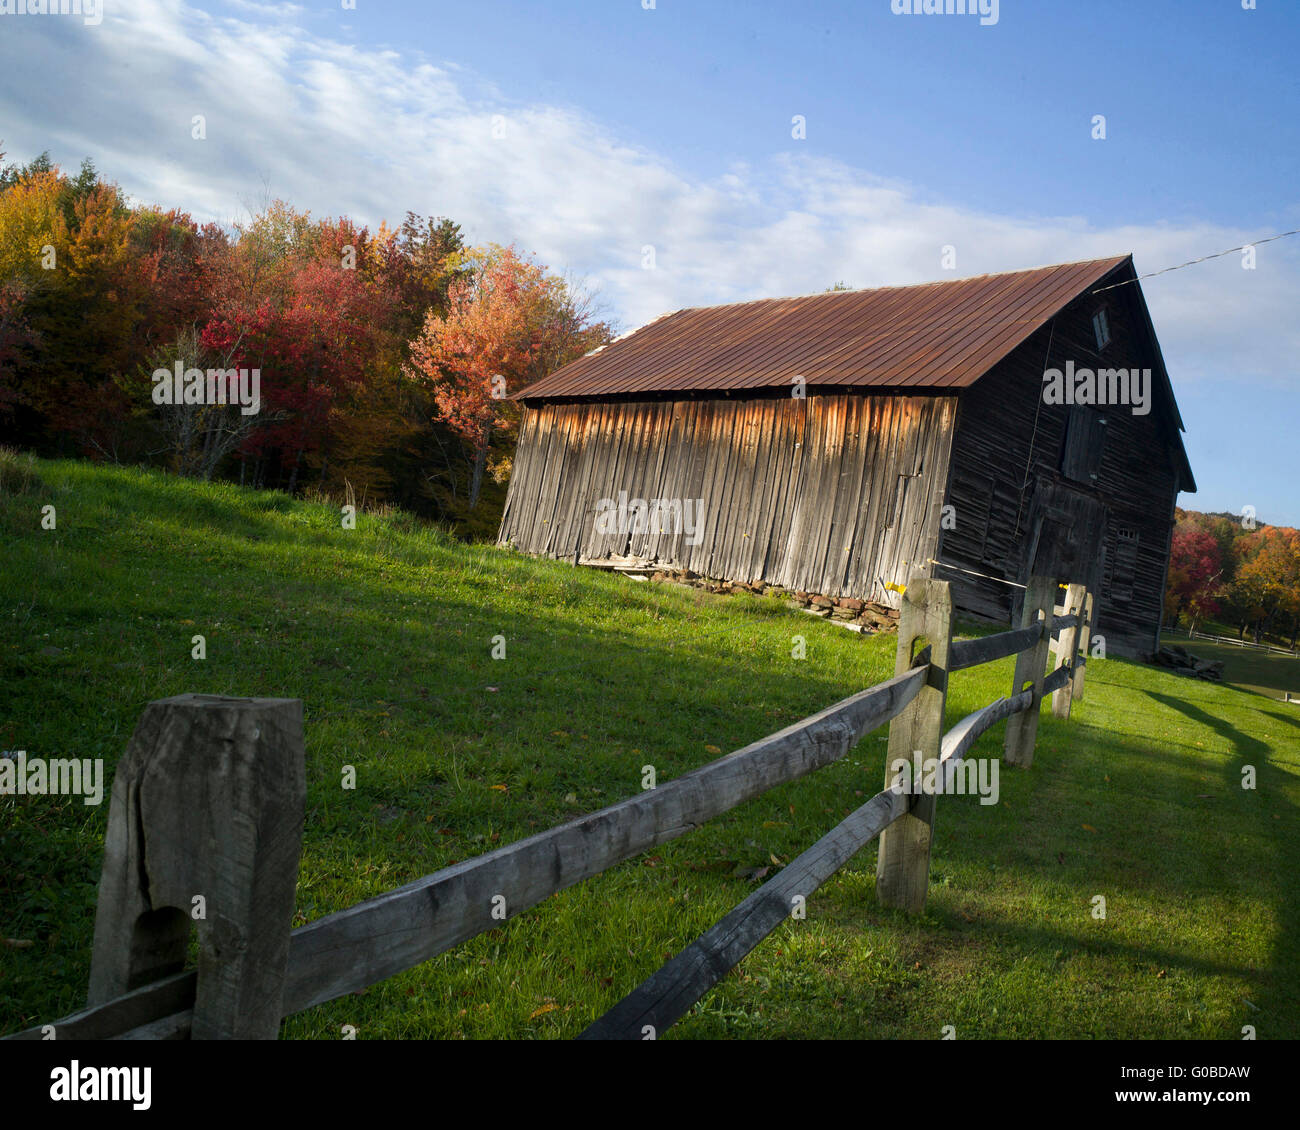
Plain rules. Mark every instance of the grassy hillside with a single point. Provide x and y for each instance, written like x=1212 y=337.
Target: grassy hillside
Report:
x=386 y=634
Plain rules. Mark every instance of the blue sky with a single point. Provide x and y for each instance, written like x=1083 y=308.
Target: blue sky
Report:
x=587 y=131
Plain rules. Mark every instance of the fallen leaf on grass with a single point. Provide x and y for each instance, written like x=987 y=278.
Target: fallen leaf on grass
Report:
x=500 y=788
x=1089 y=828
x=712 y=749
x=773 y=858
x=543 y=1010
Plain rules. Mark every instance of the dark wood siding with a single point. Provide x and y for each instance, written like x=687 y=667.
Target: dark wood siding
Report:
x=831 y=494
x=1006 y=433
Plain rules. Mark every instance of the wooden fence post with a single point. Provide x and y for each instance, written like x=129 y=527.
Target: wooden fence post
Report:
x=205 y=828
x=1085 y=642
x=903 y=862
x=1067 y=650
x=1022 y=728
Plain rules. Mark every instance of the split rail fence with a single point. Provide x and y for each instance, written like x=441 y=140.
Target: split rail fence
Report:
x=1193 y=634
x=208 y=802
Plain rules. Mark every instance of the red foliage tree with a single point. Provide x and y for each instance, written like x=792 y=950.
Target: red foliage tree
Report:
x=1195 y=567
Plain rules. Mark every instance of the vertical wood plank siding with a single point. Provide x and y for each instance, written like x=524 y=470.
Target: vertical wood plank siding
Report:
x=830 y=494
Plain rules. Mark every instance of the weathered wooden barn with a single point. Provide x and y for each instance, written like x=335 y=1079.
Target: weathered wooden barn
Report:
x=834 y=443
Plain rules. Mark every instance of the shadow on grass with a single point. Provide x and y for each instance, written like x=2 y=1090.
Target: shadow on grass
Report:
x=1250 y=752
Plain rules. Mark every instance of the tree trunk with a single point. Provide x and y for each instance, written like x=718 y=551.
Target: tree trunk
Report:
x=476 y=482
x=293 y=476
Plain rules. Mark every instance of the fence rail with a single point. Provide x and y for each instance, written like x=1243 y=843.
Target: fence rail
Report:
x=1193 y=634
x=183 y=747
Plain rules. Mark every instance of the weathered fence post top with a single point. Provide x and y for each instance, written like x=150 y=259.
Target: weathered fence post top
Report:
x=204 y=829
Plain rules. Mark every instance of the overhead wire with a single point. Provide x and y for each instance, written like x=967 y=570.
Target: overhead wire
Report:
x=1202 y=259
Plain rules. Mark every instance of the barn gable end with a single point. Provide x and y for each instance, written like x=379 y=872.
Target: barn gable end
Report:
x=1009 y=444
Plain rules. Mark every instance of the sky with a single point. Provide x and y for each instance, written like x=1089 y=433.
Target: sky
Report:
x=759 y=149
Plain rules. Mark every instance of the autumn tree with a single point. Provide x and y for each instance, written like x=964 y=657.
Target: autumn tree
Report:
x=1266 y=589
x=507 y=322
x=1195 y=569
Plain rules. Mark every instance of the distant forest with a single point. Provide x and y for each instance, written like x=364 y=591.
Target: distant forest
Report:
x=1236 y=571
x=385 y=357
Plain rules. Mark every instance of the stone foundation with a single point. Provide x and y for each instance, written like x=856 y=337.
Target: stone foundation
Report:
x=863 y=615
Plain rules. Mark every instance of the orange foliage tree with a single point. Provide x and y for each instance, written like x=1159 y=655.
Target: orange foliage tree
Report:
x=507 y=322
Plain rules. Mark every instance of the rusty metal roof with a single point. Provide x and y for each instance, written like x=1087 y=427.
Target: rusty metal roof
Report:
x=935 y=335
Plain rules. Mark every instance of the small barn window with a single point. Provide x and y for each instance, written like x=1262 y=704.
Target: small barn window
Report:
x=1121 y=565
x=1085 y=439
x=1101 y=328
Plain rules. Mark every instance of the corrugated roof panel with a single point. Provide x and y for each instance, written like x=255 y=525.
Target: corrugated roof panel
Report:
x=935 y=335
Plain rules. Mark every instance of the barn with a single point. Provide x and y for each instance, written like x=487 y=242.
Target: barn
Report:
x=979 y=429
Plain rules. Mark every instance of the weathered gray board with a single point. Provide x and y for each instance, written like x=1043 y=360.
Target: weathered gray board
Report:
x=830 y=494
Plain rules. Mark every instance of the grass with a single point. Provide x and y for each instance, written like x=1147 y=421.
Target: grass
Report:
x=386 y=634
x=1257 y=672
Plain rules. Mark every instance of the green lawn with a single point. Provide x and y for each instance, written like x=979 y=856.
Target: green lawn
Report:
x=386 y=633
